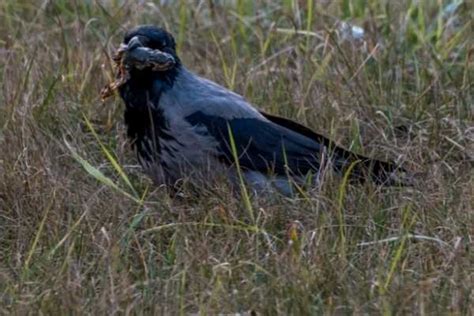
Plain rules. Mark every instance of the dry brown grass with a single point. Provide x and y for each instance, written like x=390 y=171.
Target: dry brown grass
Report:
x=72 y=244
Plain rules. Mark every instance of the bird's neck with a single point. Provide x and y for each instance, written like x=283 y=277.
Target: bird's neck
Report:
x=146 y=86
x=143 y=116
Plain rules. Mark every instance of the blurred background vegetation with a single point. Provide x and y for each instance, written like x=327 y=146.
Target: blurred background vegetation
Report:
x=83 y=231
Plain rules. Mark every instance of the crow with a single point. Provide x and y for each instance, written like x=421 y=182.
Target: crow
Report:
x=183 y=126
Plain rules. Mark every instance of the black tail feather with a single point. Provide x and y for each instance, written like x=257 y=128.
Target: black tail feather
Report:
x=380 y=172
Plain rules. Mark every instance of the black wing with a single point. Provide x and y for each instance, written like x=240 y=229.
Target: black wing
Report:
x=261 y=145
x=380 y=171
x=278 y=145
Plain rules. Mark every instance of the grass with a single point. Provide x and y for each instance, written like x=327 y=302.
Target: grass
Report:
x=82 y=230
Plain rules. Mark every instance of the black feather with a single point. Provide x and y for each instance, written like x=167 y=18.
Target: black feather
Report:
x=282 y=146
x=142 y=116
x=261 y=146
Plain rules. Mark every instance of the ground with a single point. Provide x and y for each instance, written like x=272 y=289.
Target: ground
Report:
x=82 y=230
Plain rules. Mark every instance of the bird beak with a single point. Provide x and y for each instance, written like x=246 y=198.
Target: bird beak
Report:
x=138 y=56
x=134 y=43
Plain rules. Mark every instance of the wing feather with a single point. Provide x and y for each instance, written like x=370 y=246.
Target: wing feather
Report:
x=281 y=146
x=262 y=145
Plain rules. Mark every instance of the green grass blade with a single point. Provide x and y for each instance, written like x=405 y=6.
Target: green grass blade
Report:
x=98 y=175
x=243 y=188
x=112 y=159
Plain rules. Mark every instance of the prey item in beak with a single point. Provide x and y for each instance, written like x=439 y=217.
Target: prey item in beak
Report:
x=122 y=74
x=144 y=57
x=138 y=56
x=135 y=55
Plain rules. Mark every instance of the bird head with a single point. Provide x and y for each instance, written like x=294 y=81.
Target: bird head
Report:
x=148 y=46
x=147 y=52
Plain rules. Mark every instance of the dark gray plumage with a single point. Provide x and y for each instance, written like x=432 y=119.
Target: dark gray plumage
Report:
x=179 y=124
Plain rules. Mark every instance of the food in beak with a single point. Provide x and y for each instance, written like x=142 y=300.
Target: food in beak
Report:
x=140 y=58
x=144 y=57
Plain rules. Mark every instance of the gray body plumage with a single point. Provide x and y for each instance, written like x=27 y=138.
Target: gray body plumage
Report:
x=190 y=154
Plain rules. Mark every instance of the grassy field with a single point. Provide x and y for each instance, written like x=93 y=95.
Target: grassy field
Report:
x=82 y=230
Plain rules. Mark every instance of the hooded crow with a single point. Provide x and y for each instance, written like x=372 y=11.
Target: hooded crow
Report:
x=186 y=127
